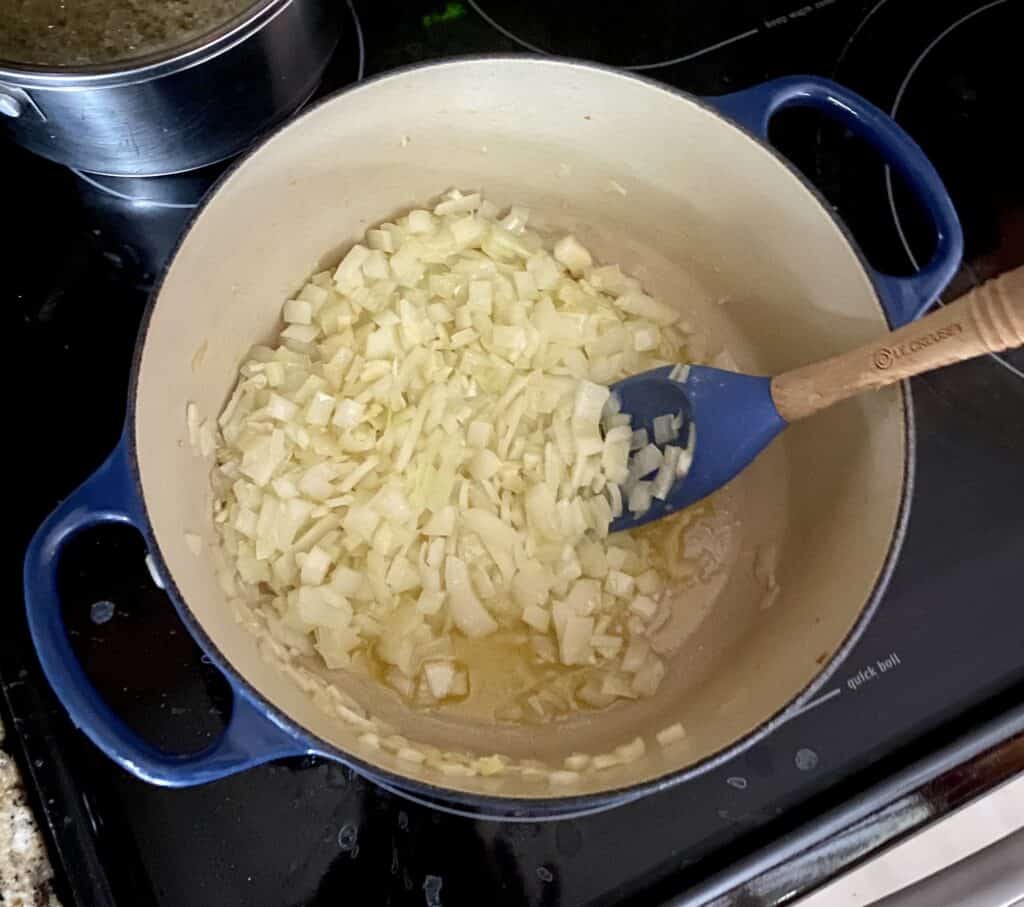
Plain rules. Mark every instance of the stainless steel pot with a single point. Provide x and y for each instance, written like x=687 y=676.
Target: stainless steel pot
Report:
x=181 y=109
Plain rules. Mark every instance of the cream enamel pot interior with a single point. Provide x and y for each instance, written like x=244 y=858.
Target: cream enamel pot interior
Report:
x=708 y=211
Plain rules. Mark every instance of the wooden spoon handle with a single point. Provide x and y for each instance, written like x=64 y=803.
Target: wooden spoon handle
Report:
x=988 y=319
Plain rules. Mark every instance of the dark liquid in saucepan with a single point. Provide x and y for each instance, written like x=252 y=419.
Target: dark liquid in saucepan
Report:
x=66 y=33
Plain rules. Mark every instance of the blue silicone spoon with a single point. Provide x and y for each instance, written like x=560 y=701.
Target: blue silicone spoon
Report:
x=735 y=416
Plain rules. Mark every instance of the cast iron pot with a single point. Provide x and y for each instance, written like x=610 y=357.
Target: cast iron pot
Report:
x=682 y=191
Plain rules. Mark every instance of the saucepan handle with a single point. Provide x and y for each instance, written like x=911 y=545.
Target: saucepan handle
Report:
x=904 y=298
x=251 y=736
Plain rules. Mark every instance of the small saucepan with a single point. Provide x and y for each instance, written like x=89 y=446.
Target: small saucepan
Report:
x=175 y=109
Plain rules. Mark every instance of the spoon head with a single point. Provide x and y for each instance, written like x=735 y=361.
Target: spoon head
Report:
x=727 y=419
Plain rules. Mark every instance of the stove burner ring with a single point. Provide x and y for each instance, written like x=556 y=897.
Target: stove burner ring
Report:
x=901 y=91
x=638 y=67
x=894 y=111
x=361 y=71
x=97 y=181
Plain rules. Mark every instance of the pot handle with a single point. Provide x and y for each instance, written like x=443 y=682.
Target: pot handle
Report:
x=904 y=298
x=250 y=738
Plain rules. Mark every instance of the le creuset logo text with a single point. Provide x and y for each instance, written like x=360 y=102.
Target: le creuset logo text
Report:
x=888 y=355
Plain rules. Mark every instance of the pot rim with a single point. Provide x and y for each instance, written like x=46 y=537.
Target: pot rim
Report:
x=149 y=66
x=497 y=806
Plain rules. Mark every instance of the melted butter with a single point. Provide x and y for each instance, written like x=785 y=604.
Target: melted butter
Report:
x=501 y=669
x=505 y=673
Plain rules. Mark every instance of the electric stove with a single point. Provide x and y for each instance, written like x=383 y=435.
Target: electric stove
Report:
x=926 y=712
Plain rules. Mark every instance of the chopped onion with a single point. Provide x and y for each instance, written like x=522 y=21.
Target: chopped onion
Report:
x=615 y=500
x=671 y=734
x=619 y=584
x=536 y=617
x=685 y=460
x=640 y=497
x=664 y=428
x=440 y=675
x=469 y=615
x=643 y=607
x=297 y=311
x=431 y=450
x=574 y=640
x=643 y=306
x=667 y=472
x=645 y=461
x=636 y=654
x=569 y=252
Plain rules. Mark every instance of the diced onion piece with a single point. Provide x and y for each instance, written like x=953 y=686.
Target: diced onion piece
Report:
x=430 y=602
x=315 y=566
x=630 y=752
x=439 y=676
x=614 y=500
x=636 y=654
x=441 y=523
x=301 y=333
x=643 y=306
x=638 y=439
x=402 y=576
x=207 y=438
x=571 y=253
x=478 y=434
x=484 y=464
x=420 y=221
x=671 y=734
x=193 y=542
x=617 y=686
x=640 y=497
x=348 y=413
x=492 y=531
x=593 y=560
x=574 y=641
x=643 y=607
x=348 y=275
x=346 y=580
x=459 y=204
x=619 y=584
x=590 y=401
x=358 y=474
x=516 y=219
x=650 y=582
x=469 y=615
x=297 y=311
x=685 y=460
x=647 y=680
x=320 y=408
x=537 y=618
x=280 y=408
x=645 y=461
x=531 y=585
x=664 y=428
x=361 y=522
x=541 y=513
x=667 y=473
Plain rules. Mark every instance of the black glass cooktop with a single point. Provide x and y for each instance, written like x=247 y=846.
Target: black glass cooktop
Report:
x=926 y=711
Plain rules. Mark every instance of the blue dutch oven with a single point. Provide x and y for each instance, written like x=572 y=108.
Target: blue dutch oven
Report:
x=697 y=190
